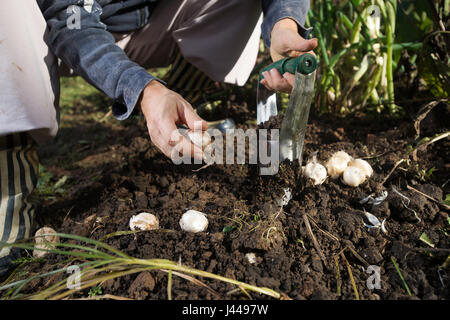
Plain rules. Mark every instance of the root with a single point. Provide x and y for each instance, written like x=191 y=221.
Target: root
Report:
x=204 y=167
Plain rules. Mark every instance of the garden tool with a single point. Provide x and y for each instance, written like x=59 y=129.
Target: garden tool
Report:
x=223 y=126
x=293 y=127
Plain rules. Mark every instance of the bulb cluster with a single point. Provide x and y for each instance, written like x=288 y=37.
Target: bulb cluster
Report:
x=315 y=171
x=353 y=171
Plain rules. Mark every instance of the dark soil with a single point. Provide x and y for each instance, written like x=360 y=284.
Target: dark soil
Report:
x=131 y=176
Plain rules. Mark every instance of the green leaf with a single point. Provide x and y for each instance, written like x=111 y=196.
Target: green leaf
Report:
x=425 y=239
x=61 y=182
x=447 y=202
x=227 y=229
x=95 y=291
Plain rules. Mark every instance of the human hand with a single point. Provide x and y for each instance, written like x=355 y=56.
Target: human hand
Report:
x=285 y=42
x=163 y=110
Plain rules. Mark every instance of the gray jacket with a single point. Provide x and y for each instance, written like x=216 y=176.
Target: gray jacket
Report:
x=91 y=51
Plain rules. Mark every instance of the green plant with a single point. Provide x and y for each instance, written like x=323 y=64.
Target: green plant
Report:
x=95 y=291
x=447 y=202
x=46 y=187
x=433 y=64
x=99 y=262
x=401 y=276
x=356 y=49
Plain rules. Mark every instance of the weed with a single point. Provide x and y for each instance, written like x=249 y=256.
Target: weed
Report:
x=95 y=291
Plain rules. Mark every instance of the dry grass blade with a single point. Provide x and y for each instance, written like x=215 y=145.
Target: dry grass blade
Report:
x=195 y=281
x=240 y=289
x=357 y=256
x=328 y=234
x=313 y=238
x=246 y=293
x=102 y=297
x=106 y=116
x=447 y=207
x=284 y=296
x=204 y=167
x=436 y=138
x=338 y=275
x=422 y=114
x=399 y=162
x=169 y=286
x=350 y=273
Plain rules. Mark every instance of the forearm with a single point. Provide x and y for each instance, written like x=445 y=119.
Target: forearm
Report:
x=91 y=52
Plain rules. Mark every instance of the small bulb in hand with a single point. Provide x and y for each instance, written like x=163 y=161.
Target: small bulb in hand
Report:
x=199 y=138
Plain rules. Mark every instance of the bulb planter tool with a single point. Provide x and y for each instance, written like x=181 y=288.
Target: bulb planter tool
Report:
x=293 y=127
x=305 y=64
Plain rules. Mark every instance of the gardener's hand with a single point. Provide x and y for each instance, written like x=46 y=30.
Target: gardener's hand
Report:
x=285 y=42
x=164 y=109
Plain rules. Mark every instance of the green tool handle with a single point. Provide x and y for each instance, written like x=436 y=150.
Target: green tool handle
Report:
x=306 y=64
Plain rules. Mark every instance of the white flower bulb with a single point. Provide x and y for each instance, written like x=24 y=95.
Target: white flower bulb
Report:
x=337 y=163
x=251 y=258
x=44 y=237
x=363 y=165
x=199 y=138
x=193 y=221
x=144 y=221
x=353 y=176
x=316 y=172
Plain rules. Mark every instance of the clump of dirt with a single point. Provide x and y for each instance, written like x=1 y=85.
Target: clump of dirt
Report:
x=304 y=248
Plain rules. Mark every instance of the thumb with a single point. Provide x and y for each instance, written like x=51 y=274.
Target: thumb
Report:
x=304 y=45
x=192 y=119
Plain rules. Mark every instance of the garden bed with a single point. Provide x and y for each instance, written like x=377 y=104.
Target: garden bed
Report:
x=124 y=175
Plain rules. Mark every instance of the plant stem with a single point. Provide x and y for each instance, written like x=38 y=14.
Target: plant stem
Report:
x=401 y=276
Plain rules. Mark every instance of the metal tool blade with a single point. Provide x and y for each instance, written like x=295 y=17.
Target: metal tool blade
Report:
x=293 y=127
x=266 y=104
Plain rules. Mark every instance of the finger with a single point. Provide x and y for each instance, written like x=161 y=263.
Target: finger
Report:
x=268 y=79
x=303 y=45
x=192 y=119
x=180 y=143
x=264 y=83
x=186 y=149
x=275 y=75
x=280 y=83
x=160 y=143
x=295 y=54
x=289 y=78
